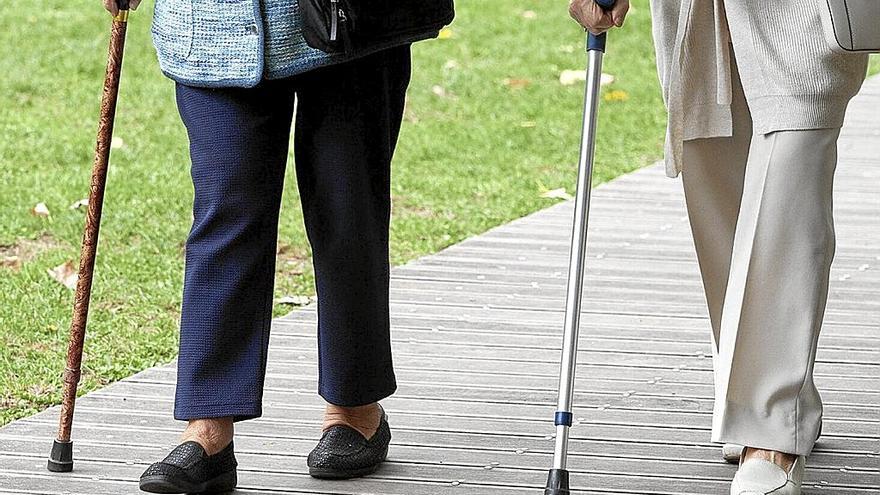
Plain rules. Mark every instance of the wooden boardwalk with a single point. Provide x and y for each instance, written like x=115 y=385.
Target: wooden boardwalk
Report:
x=477 y=331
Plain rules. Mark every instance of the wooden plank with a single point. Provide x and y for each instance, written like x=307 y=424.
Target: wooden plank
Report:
x=663 y=460
x=476 y=332
x=275 y=456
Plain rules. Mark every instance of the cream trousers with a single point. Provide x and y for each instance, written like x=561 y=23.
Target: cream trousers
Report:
x=761 y=216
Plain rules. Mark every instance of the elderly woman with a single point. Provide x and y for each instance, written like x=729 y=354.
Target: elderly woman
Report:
x=241 y=67
x=756 y=99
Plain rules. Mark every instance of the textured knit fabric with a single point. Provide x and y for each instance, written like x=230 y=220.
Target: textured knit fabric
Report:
x=238 y=43
x=791 y=76
x=347 y=123
x=285 y=50
x=216 y=43
x=760 y=207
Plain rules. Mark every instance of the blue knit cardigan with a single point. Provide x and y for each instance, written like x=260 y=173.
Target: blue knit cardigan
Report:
x=232 y=43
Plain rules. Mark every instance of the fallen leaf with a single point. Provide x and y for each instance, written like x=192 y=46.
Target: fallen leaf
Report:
x=616 y=95
x=528 y=123
x=116 y=143
x=571 y=77
x=39 y=390
x=445 y=33
x=529 y=14
x=439 y=91
x=79 y=204
x=13 y=262
x=514 y=83
x=25 y=250
x=65 y=274
x=295 y=300
x=557 y=194
x=40 y=210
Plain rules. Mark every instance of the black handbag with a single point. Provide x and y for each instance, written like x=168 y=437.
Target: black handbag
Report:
x=352 y=26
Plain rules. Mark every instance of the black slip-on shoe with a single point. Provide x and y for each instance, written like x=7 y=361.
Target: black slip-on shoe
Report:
x=189 y=469
x=344 y=453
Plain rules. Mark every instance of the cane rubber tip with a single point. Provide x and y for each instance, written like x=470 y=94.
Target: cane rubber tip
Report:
x=557 y=483
x=61 y=457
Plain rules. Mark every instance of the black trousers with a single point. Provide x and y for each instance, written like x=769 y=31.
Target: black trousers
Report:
x=347 y=122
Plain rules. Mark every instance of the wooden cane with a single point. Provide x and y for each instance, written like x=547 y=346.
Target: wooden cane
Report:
x=61 y=457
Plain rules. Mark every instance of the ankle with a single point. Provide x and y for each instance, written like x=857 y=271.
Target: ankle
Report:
x=213 y=434
x=781 y=459
x=364 y=419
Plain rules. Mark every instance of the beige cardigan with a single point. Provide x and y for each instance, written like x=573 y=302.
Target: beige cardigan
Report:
x=791 y=77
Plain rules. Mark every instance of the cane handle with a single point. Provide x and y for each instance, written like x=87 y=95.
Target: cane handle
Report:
x=597 y=42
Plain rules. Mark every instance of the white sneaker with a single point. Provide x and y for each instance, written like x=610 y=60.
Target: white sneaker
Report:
x=731 y=452
x=760 y=477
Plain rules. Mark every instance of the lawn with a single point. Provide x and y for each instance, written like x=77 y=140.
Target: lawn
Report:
x=489 y=129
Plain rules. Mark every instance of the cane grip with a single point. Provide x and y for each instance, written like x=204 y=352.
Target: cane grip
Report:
x=597 y=42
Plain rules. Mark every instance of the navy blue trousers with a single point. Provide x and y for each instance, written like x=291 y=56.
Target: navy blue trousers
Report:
x=347 y=122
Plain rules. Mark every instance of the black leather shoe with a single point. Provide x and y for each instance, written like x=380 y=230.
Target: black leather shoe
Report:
x=188 y=469
x=344 y=453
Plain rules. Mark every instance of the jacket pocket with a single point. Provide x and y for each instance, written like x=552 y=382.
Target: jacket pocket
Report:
x=172 y=29
x=346 y=26
x=327 y=25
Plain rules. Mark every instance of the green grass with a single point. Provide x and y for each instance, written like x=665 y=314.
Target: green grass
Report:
x=478 y=154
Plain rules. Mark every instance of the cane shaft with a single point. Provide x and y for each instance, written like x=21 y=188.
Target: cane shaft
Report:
x=93 y=222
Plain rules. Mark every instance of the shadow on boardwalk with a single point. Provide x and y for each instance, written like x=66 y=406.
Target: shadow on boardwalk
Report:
x=477 y=334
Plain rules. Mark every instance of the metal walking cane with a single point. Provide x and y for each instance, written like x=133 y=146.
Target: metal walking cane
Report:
x=61 y=457
x=558 y=478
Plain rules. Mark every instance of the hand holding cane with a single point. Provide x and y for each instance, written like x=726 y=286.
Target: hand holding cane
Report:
x=558 y=477
x=61 y=457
